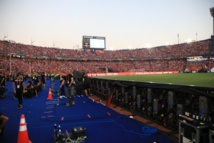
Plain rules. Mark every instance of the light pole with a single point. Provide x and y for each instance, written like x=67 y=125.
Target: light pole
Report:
x=10 y=63
x=212 y=13
x=178 y=38
x=5 y=36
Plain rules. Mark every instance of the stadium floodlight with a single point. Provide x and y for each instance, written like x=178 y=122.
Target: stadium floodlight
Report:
x=31 y=42
x=212 y=13
x=5 y=36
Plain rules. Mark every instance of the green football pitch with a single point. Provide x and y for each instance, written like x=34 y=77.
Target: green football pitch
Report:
x=192 y=79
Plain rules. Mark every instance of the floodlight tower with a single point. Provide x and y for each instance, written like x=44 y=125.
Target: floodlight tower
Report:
x=5 y=36
x=31 y=42
x=212 y=13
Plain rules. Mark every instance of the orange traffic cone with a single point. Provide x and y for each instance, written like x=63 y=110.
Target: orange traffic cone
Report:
x=50 y=97
x=109 y=99
x=23 y=134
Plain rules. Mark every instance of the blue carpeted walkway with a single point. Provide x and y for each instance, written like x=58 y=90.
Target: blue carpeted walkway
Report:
x=103 y=124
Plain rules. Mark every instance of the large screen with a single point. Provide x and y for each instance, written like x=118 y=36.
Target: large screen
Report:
x=93 y=42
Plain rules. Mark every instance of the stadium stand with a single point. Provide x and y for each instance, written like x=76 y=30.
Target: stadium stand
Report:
x=29 y=58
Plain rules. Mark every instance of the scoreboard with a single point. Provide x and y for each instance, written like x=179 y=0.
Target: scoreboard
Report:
x=93 y=42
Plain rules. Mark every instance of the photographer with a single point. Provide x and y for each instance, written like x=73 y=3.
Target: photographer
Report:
x=86 y=85
x=30 y=91
x=62 y=83
x=37 y=83
x=18 y=88
x=3 y=121
x=78 y=77
x=2 y=85
x=70 y=89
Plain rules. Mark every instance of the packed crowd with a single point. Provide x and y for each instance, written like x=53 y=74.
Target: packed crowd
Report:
x=175 y=51
x=32 y=59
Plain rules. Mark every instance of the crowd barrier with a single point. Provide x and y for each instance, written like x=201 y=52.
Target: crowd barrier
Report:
x=168 y=105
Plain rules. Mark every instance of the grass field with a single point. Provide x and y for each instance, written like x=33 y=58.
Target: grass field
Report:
x=196 y=79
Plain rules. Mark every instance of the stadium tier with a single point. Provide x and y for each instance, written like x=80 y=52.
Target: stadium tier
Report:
x=186 y=57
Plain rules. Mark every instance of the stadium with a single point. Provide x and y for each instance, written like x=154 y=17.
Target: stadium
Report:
x=153 y=95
